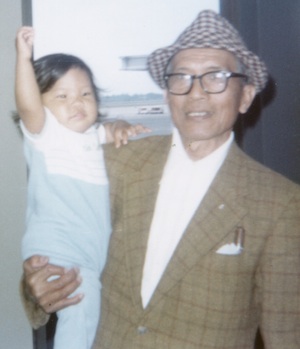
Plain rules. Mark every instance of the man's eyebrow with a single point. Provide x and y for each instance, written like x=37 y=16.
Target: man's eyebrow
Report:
x=216 y=67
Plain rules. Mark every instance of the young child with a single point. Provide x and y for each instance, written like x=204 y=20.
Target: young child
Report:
x=68 y=215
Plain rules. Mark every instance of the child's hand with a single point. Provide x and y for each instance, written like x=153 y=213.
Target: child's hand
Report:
x=119 y=131
x=24 y=42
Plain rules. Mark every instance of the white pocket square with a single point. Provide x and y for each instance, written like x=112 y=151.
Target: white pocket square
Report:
x=230 y=249
x=236 y=247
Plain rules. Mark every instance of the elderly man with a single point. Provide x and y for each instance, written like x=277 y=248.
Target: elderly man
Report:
x=206 y=243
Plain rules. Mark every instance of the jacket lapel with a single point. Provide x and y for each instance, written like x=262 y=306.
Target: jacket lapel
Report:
x=141 y=186
x=219 y=214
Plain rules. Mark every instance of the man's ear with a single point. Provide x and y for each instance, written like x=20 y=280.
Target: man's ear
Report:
x=248 y=95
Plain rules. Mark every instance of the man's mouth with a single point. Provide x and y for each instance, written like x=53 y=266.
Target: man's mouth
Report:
x=199 y=114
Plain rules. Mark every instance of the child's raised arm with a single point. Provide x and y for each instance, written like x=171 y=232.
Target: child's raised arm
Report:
x=28 y=97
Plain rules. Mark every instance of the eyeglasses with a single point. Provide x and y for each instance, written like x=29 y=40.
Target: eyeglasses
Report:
x=211 y=82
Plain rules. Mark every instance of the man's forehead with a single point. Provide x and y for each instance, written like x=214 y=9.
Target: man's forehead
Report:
x=208 y=57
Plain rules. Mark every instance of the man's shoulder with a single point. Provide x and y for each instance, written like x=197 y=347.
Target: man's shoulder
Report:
x=133 y=145
x=260 y=175
x=136 y=152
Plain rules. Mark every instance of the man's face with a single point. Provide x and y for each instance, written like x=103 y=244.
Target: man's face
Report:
x=207 y=119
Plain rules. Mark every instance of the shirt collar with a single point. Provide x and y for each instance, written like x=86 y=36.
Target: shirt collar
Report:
x=178 y=152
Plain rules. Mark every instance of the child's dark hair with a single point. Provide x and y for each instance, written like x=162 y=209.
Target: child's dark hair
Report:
x=48 y=69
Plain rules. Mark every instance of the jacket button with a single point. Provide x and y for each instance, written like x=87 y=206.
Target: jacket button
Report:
x=142 y=330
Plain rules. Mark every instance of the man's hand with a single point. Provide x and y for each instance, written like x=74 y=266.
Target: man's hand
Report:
x=52 y=295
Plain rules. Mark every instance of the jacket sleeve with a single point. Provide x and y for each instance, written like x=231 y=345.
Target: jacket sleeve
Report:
x=279 y=280
x=35 y=314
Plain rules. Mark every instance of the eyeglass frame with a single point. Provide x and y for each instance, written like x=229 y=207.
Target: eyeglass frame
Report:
x=227 y=74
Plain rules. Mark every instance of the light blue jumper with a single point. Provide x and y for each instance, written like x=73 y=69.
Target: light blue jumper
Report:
x=68 y=218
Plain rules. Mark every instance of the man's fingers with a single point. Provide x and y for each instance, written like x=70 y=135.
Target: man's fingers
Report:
x=38 y=284
x=56 y=279
x=52 y=307
x=55 y=296
x=34 y=263
x=66 y=280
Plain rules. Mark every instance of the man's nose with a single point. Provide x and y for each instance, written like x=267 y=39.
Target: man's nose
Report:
x=197 y=91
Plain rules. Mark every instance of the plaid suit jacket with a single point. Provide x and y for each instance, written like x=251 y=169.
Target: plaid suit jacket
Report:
x=204 y=300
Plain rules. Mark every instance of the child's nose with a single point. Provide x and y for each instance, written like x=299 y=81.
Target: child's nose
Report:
x=77 y=100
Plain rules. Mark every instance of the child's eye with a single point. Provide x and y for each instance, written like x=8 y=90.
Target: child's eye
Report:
x=86 y=94
x=61 y=96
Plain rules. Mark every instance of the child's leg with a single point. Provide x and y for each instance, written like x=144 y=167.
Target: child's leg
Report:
x=77 y=324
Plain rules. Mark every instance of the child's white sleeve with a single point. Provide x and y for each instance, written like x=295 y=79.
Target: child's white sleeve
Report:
x=46 y=133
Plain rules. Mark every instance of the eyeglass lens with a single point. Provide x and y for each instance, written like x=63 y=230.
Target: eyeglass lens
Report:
x=211 y=82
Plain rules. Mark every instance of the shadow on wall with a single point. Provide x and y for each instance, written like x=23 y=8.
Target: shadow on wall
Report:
x=250 y=119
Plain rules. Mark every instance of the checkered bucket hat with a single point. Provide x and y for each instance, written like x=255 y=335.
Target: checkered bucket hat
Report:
x=209 y=30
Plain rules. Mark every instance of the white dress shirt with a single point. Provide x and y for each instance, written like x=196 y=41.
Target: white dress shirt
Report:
x=182 y=188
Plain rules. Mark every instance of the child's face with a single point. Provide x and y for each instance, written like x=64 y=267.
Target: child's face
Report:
x=72 y=101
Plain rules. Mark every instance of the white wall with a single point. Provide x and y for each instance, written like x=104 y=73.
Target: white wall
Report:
x=100 y=32
x=15 y=332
